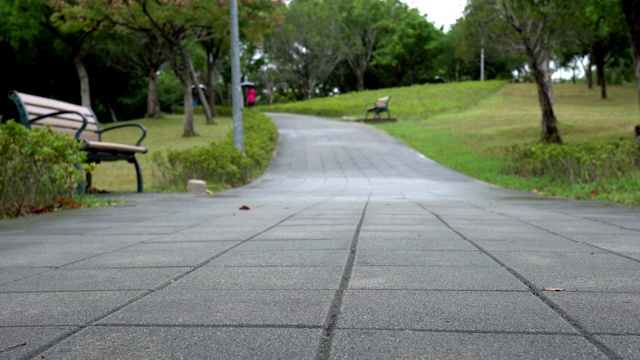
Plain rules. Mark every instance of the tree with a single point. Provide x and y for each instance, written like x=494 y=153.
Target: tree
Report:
x=533 y=27
x=138 y=52
x=631 y=10
x=596 y=29
x=305 y=49
x=361 y=21
x=24 y=18
x=408 y=45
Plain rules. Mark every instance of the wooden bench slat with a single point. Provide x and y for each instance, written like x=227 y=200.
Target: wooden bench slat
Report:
x=88 y=136
x=64 y=124
x=35 y=111
x=107 y=146
x=53 y=104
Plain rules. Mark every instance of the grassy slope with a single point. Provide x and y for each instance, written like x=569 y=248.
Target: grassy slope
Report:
x=163 y=134
x=466 y=126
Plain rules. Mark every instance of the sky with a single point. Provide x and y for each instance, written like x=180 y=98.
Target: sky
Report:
x=440 y=12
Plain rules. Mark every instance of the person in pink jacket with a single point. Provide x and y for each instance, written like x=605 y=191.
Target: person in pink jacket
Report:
x=251 y=97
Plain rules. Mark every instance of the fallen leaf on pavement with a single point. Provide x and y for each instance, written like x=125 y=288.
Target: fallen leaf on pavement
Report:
x=245 y=207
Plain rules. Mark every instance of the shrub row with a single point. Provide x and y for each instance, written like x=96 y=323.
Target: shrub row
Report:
x=574 y=164
x=220 y=163
x=38 y=168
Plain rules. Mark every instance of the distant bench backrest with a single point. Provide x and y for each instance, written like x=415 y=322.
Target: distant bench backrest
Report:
x=382 y=102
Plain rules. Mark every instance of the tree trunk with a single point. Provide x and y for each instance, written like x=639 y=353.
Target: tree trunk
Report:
x=196 y=82
x=545 y=65
x=549 y=123
x=85 y=95
x=153 y=104
x=588 y=71
x=189 y=128
x=631 y=10
x=360 y=75
x=599 y=55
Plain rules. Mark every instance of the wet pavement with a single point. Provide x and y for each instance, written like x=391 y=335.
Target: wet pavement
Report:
x=354 y=247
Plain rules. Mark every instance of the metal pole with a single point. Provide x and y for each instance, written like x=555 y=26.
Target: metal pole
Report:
x=482 y=64
x=238 y=134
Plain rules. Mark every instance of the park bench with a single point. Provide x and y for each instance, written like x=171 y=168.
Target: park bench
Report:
x=380 y=106
x=81 y=123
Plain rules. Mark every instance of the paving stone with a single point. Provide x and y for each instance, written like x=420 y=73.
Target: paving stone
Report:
x=433 y=278
x=188 y=343
x=423 y=258
x=400 y=242
x=20 y=342
x=385 y=344
x=263 y=278
x=613 y=313
x=270 y=245
x=627 y=347
x=568 y=260
x=59 y=308
x=174 y=306
x=448 y=310
x=8 y=275
x=156 y=255
x=244 y=258
x=95 y=279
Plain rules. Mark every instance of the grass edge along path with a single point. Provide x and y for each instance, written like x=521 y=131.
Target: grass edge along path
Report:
x=469 y=126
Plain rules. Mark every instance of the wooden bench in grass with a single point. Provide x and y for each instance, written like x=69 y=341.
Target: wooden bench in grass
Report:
x=81 y=123
x=381 y=105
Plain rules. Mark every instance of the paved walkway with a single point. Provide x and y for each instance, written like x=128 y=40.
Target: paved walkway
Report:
x=354 y=247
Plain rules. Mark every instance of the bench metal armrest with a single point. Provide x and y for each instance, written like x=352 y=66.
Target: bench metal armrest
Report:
x=142 y=128
x=84 y=120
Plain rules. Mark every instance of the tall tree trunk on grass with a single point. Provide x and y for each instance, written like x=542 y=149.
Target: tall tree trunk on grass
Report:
x=631 y=10
x=153 y=104
x=599 y=53
x=85 y=94
x=188 y=130
x=201 y=95
x=537 y=48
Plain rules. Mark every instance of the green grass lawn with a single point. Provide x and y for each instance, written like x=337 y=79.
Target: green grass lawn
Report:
x=162 y=134
x=464 y=126
x=468 y=126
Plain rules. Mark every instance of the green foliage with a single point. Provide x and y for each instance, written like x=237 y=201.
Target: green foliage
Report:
x=575 y=164
x=38 y=167
x=220 y=164
x=169 y=91
x=411 y=102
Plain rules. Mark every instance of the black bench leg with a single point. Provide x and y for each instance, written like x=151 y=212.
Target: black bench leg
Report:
x=89 y=178
x=138 y=172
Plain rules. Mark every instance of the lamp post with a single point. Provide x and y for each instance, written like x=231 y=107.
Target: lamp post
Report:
x=238 y=133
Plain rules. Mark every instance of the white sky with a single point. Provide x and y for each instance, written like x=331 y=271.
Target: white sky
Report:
x=439 y=12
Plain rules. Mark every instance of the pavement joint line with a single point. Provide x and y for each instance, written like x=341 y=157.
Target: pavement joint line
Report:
x=68 y=291
x=212 y=326
x=56 y=341
x=604 y=222
x=326 y=339
x=612 y=252
x=587 y=335
x=461 y=331
x=127 y=267
x=439 y=290
x=62 y=267
x=100 y=254
x=567 y=237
